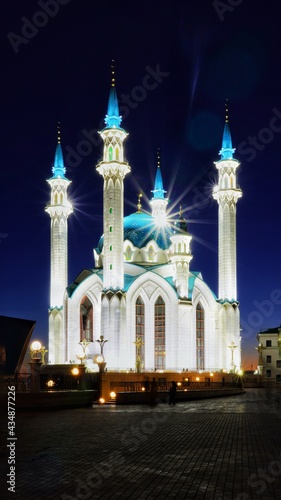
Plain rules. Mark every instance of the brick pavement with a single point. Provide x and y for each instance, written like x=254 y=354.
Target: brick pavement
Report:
x=222 y=449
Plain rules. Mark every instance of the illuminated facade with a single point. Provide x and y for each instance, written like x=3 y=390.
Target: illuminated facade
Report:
x=141 y=288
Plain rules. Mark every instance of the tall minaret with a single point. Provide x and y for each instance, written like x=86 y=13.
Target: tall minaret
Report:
x=181 y=256
x=159 y=202
x=113 y=168
x=227 y=192
x=59 y=209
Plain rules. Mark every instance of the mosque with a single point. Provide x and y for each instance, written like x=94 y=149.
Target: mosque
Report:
x=142 y=295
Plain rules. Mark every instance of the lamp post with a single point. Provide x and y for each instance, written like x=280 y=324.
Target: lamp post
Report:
x=260 y=350
x=84 y=344
x=101 y=364
x=100 y=359
x=138 y=343
x=35 y=364
x=232 y=347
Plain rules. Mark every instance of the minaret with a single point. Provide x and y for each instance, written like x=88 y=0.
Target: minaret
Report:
x=159 y=202
x=227 y=192
x=113 y=168
x=181 y=256
x=59 y=209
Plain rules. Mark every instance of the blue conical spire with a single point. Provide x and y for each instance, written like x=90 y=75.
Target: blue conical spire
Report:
x=58 y=168
x=113 y=119
x=158 y=190
x=227 y=150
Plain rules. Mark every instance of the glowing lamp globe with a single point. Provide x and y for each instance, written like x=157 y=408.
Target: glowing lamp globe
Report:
x=36 y=346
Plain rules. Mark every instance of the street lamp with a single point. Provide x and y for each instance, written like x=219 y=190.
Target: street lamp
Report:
x=35 y=364
x=100 y=360
x=138 y=343
x=84 y=344
x=232 y=347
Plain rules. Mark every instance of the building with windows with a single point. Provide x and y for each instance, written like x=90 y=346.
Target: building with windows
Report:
x=269 y=349
x=142 y=295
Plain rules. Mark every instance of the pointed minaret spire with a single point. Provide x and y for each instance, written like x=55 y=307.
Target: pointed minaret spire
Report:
x=112 y=118
x=158 y=191
x=227 y=150
x=58 y=168
x=112 y=73
x=159 y=202
x=58 y=129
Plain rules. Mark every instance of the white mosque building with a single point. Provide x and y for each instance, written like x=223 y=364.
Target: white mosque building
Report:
x=142 y=294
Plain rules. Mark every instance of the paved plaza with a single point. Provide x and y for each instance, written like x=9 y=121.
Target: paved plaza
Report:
x=223 y=448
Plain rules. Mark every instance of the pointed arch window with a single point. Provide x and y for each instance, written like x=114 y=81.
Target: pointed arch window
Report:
x=200 y=334
x=86 y=319
x=110 y=153
x=159 y=334
x=140 y=332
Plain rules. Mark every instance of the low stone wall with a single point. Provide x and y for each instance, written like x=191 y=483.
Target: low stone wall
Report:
x=51 y=400
x=145 y=398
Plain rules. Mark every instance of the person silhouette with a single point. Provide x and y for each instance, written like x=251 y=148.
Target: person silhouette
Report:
x=172 y=393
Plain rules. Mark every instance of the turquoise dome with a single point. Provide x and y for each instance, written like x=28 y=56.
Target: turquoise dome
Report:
x=140 y=228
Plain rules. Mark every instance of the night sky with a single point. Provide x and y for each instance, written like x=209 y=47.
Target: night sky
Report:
x=176 y=64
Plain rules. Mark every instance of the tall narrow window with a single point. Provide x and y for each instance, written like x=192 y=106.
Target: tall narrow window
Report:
x=86 y=319
x=159 y=329
x=110 y=229
x=140 y=332
x=110 y=153
x=200 y=330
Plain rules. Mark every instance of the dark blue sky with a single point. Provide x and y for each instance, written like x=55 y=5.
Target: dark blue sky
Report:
x=176 y=63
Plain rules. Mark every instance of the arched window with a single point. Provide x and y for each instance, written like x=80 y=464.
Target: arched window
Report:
x=61 y=198
x=140 y=332
x=200 y=330
x=86 y=320
x=110 y=153
x=159 y=334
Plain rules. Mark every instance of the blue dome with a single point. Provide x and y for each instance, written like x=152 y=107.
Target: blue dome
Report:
x=140 y=228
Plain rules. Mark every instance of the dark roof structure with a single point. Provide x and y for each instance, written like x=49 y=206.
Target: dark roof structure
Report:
x=15 y=335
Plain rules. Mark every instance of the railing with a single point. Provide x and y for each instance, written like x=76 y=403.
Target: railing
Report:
x=163 y=386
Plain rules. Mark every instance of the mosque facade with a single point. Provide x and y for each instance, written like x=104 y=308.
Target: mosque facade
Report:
x=142 y=295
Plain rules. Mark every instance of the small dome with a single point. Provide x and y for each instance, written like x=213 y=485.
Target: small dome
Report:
x=181 y=224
